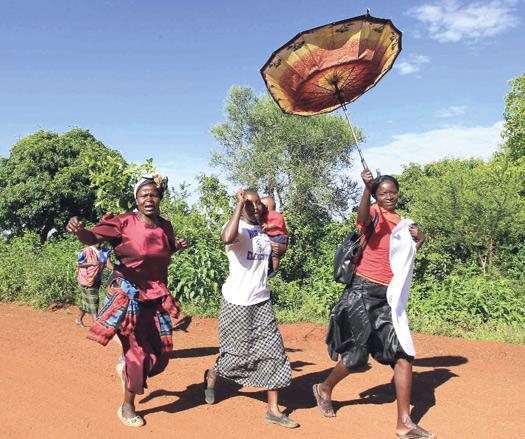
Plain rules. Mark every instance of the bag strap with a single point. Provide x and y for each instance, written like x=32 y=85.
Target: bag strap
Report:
x=370 y=229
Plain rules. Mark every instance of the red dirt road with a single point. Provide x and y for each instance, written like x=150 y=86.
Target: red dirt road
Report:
x=56 y=384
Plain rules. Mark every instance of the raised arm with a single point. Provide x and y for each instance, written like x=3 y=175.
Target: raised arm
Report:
x=229 y=233
x=76 y=226
x=363 y=214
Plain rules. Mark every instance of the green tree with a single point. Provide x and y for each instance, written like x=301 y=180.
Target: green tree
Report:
x=197 y=274
x=44 y=181
x=113 y=179
x=302 y=161
x=514 y=131
x=471 y=210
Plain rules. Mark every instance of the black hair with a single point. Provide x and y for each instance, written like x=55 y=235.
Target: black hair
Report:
x=381 y=179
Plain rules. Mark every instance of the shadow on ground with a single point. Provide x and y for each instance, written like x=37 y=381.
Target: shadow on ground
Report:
x=194 y=352
x=299 y=394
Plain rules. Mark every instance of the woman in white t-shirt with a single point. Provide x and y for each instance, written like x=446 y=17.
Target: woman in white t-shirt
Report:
x=251 y=346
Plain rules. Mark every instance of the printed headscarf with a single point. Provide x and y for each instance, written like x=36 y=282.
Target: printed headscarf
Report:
x=158 y=180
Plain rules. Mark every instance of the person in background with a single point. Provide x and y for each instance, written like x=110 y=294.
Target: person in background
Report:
x=90 y=266
x=274 y=225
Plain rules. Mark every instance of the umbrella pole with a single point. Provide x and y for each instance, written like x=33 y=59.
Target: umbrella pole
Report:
x=345 y=111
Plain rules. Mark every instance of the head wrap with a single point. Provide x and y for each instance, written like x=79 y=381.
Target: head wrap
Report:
x=158 y=180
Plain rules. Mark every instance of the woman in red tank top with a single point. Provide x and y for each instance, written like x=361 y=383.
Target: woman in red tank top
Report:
x=363 y=316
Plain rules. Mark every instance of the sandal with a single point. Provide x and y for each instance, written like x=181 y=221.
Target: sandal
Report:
x=283 y=420
x=135 y=421
x=209 y=394
x=416 y=433
x=325 y=405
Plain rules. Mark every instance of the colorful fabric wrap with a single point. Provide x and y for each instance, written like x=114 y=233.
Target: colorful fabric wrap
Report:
x=121 y=310
x=158 y=180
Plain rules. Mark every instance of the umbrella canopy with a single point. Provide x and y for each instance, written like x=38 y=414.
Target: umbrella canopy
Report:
x=323 y=68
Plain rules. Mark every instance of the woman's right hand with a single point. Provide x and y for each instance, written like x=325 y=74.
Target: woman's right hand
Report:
x=368 y=177
x=241 y=196
x=75 y=225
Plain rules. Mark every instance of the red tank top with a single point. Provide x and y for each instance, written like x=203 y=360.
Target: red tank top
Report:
x=375 y=263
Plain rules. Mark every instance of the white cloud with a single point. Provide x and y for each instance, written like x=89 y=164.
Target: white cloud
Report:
x=452 y=111
x=452 y=21
x=430 y=146
x=412 y=64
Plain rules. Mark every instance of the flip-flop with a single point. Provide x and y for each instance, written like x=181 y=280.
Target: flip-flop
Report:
x=416 y=433
x=135 y=421
x=209 y=394
x=325 y=405
x=283 y=420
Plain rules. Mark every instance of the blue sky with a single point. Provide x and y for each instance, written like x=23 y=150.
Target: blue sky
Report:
x=150 y=78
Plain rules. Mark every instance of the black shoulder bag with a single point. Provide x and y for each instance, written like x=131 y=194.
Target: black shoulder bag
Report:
x=349 y=253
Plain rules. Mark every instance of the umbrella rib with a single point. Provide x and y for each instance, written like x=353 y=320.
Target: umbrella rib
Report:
x=350 y=79
x=290 y=66
x=324 y=88
x=310 y=52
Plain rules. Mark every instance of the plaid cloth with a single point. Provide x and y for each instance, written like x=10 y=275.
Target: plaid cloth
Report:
x=121 y=310
x=89 y=299
x=251 y=347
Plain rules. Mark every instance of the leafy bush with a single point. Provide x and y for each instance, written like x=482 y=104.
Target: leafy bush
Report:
x=468 y=301
x=38 y=274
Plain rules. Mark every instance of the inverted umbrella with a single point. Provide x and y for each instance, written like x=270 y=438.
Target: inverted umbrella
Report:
x=324 y=68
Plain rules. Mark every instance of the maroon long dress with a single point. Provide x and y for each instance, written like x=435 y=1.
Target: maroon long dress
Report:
x=144 y=252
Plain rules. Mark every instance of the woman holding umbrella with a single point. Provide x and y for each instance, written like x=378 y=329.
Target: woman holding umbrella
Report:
x=138 y=305
x=251 y=347
x=370 y=317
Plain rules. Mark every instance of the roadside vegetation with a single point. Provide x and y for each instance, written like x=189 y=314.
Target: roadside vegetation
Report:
x=469 y=277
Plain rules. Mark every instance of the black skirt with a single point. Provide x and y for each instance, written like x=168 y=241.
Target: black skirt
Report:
x=361 y=324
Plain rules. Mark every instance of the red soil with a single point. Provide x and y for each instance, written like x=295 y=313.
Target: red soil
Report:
x=56 y=384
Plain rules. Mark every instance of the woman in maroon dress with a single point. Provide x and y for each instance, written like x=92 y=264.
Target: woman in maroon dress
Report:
x=138 y=305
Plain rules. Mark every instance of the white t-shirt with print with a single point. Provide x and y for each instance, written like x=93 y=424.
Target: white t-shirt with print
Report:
x=248 y=257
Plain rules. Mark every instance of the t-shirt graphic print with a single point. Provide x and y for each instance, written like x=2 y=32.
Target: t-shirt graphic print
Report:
x=248 y=260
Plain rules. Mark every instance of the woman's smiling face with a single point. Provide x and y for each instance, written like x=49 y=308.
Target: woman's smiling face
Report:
x=386 y=195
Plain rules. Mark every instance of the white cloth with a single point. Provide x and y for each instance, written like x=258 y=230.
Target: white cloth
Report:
x=248 y=256
x=402 y=254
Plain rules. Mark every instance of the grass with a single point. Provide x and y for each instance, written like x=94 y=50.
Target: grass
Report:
x=494 y=331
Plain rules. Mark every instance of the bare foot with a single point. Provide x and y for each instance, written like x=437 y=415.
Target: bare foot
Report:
x=128 y=411
x=411 y=430
x=80 y=323
x=324 y=400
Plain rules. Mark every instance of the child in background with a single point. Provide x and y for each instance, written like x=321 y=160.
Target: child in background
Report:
x=90 y=265
x=275 y=227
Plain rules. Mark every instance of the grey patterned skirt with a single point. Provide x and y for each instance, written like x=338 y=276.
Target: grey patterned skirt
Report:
x=251 y=347
x=89 y=300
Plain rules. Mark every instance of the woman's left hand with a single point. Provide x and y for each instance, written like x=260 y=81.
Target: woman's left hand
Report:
x=181 y=243
x=417 y=235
